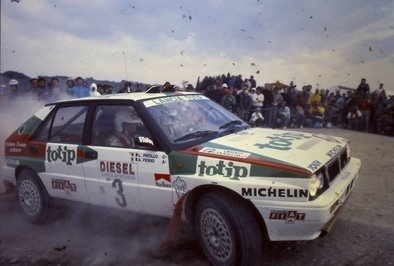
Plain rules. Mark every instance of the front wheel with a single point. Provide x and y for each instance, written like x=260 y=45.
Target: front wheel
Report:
x=227 y=231
x=33 y=197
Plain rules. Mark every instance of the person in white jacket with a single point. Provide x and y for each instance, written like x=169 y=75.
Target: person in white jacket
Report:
x=257 y=118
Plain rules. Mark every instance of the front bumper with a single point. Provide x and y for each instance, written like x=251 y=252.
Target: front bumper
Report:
x=286 y=221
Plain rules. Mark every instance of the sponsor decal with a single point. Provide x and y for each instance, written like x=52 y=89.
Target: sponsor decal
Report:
x=283 y=141
x=145 y=140
x=117 y=169
x=228 y=169
x=62 y=153
x=163 y=180
x=334 y=151
x=229 y=153
x=314 y=165
x=289 y=216
x=180 y=186
x=15 y=146
x=275 y=192
x=65 y=185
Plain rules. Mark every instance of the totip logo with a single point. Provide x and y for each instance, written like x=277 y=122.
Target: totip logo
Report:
x=61 y=153
x=228 y=169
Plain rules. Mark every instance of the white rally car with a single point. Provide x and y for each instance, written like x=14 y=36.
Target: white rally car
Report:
x=181 y=155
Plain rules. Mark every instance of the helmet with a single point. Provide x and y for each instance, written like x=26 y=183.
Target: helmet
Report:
x=124 y=116
x=13 y=82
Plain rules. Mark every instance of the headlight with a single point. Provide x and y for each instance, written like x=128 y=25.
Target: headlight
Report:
x=316 y=183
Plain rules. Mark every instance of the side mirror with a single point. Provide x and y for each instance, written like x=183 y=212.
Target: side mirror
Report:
x=145 y=142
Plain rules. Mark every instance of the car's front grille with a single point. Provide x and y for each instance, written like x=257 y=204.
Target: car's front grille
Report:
x=331 y=170
x=334 y=167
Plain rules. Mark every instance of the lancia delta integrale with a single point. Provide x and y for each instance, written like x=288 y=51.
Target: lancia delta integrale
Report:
x=181 y=155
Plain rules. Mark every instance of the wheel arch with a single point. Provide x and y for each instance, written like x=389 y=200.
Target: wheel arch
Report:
x=19 y=170
x=197 y=193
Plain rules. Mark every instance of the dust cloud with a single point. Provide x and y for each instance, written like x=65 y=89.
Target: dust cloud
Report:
x=13 y=113
x=89 y=235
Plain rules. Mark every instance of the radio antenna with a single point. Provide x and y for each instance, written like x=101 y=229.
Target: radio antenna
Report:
x=125 y=65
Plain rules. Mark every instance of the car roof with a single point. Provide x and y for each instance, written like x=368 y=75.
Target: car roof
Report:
x=135 y=96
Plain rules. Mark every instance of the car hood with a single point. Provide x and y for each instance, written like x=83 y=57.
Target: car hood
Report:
x=305 y=152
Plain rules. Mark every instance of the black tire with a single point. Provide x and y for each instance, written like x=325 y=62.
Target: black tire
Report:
x=227 y=231
x=32 y=196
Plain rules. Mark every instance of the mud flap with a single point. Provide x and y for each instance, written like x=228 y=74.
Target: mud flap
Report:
x=175 y=223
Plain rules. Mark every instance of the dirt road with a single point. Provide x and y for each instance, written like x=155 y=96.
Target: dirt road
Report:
x=86 y=235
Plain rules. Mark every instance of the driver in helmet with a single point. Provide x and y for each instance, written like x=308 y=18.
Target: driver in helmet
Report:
x=126 y=122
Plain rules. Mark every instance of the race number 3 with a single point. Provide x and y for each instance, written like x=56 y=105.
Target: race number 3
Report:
x=121 y=200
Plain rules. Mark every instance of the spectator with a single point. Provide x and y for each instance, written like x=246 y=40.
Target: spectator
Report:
x=276 y=101
x=293 y=97
x=380 y=89
x=257 y=118
x=316 y=113
x=43 y=89
x=34 y=89
x=54 y=89
x=252 y=82
x=385 y=123
x=93 y=90
x=245 y=105
x=138 y=87
x=365 y=108
x=363 y=88
x=79 y=90
x=257 y=98
x=228 y=100
x=238 y=82
x=315 y=98
x=14 y=89
x=379 y=107
x=69 y=85
x=299 y=116
x=284 y=115
x=125 y=89
x=218 y=93
x=354 y=118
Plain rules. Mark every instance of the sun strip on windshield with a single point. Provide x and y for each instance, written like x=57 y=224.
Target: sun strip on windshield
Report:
x=173 y=99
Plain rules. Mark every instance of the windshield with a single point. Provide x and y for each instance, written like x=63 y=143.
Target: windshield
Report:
x=190 y=117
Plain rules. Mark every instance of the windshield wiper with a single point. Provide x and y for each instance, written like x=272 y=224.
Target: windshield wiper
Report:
x=231 y=123
x=202 y=133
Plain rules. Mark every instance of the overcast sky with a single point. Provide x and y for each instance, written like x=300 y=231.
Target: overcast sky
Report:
x=314 y=42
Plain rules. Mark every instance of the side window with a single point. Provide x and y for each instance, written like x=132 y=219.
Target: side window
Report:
x=68 y=125
x=117 y=126
x=43 y=131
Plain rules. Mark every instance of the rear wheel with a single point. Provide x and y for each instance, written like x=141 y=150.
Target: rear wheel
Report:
x=227 y=231
x=33 y=197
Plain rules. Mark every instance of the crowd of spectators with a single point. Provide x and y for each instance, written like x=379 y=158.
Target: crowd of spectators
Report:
x=275 y=105
x=279 y=105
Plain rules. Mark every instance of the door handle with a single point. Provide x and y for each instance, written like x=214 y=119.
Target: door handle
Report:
x=91 y=154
